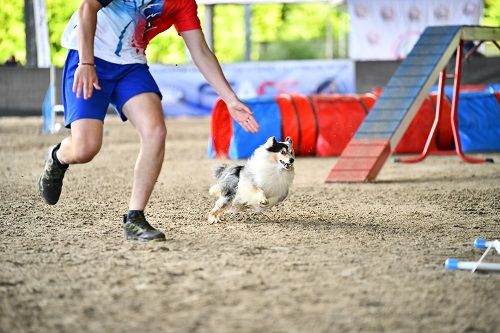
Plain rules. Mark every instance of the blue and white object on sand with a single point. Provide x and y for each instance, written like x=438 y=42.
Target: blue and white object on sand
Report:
x=484 y=244
x=454 y=264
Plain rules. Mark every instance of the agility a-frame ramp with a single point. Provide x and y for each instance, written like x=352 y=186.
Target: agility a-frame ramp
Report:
x=381 y=130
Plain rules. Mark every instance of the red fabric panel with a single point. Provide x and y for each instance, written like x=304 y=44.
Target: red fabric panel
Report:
x=339 y=117
x=415 y=137
x=289 y=120
x=221 y=128
x=308 y=125
x=368 y=100
x=444 y=132
x=377 y=91
x=472 y=87
x=497 y=95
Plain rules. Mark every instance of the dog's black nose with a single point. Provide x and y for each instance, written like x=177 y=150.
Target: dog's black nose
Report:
x=291 y=160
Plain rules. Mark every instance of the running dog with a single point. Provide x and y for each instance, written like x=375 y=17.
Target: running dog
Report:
x=260 y=184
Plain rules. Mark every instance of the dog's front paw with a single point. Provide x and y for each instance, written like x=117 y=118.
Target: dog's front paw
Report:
x=263 y=203
x=212 y=219
x=261 y=199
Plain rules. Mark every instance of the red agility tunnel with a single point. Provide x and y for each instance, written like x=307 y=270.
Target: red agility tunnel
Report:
x=299 y=122
x=339 y=117
x=368 y=100
x=444 y=132
x=308 y=123
x=497 y=95
x=415 y=136
x=221 y=129
x=290 y=120
x=323 y=125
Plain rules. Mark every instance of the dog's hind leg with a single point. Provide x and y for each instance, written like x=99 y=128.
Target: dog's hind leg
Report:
x=215 y=190
x=221 y=205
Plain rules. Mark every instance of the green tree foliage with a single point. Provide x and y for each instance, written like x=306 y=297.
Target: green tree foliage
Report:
x=58 y=14
x=295 y=31
x=12 y=36
x=491 y=13
x=229 y=32
x=492 y=19
x=167 y=48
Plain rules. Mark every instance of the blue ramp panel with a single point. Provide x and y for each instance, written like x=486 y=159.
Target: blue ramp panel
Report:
x=410 y=84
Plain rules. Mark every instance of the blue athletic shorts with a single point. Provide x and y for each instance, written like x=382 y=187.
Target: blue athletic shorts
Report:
x=118 y=84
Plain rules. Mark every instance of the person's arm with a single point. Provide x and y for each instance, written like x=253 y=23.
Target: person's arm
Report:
x=85 y=75
x=209 y=66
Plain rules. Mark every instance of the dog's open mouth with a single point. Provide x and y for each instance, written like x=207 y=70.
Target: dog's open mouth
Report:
x=286 y=165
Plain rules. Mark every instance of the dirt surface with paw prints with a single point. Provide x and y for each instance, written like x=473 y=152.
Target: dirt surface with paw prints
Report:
x=332 y=258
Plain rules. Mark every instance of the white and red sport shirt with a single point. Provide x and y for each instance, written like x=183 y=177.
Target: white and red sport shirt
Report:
x=125 y=27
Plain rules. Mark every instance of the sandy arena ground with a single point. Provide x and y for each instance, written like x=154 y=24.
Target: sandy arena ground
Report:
x=332 y=258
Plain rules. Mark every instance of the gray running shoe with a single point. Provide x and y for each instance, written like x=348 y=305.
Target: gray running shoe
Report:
x=51 y=180
x=137 y=228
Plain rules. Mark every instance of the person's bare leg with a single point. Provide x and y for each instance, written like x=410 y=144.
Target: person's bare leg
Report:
x=83 y=144
x=80 y=147
x=145 y=113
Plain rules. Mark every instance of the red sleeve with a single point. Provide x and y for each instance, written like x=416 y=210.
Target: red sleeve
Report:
x=187 y=17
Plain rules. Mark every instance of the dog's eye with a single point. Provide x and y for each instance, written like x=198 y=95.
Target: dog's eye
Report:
x=283 y=151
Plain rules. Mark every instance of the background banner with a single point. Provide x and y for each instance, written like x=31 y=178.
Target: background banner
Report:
x=388 y=29
x=186 y=92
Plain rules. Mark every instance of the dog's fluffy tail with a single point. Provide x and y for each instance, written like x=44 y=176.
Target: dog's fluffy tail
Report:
x=227 y=180
x=215 y=189
x=219 y=170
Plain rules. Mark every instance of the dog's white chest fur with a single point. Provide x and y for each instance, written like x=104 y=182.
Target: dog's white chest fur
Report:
x=271 y=178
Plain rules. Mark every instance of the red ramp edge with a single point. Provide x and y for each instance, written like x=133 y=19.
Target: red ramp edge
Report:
x=360 y=161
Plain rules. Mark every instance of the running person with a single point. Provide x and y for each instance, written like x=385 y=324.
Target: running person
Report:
x=106 y=64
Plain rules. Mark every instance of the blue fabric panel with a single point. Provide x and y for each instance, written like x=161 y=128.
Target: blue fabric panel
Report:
x=267 y=113
x=479 y=122
x=210 y=148
x=494 y=87
x=448 y=90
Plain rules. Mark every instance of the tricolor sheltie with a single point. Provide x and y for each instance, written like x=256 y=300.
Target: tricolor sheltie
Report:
x=260 y=184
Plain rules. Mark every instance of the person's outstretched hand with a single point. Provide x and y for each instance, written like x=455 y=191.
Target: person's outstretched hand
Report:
x=85 y=81
x=243 y=116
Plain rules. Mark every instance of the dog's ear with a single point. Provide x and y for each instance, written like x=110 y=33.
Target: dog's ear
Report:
x=289 y=140
x=271 y=142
